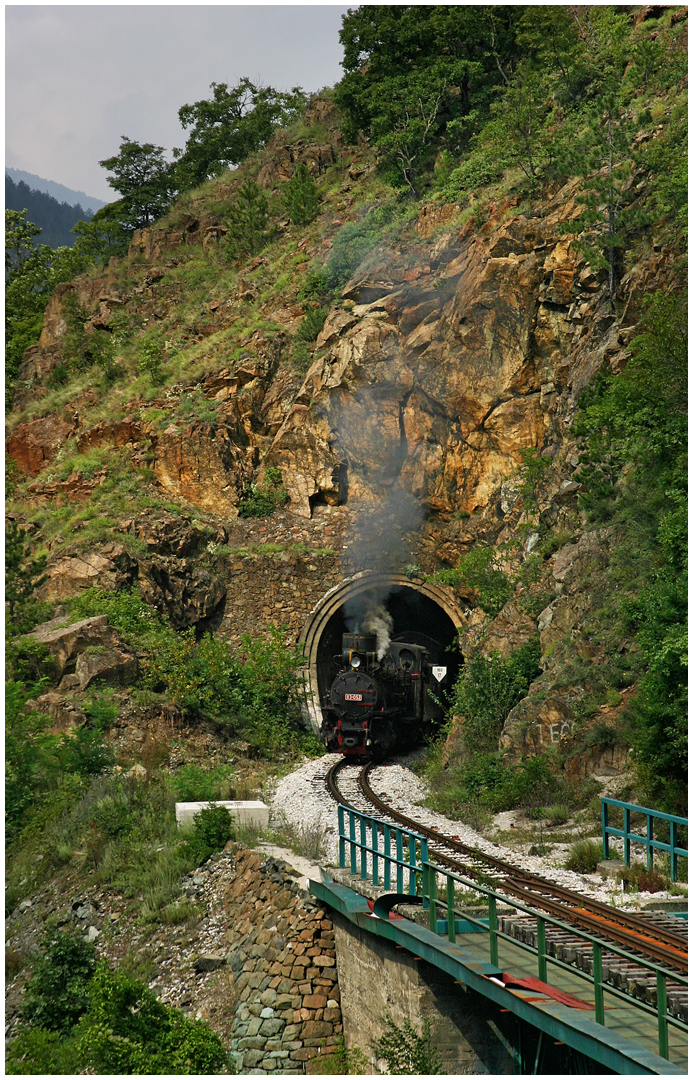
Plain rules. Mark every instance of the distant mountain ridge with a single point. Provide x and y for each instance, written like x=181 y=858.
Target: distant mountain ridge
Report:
x=57 y=191
x=55 y=219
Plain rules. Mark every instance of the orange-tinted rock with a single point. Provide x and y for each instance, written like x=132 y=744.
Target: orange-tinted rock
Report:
x=35 y=444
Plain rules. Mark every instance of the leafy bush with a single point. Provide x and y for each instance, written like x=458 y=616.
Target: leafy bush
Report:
x=314 y=285
x=57 y=994
x=638 y=877
x=311 y=324
x=480 y=570
x=584 y=856
x=195 y=784
x=475 y=171
x=213 y=827
x=483 y=781
x=36 y=1051
x=117 y=1026
x=406 y=1052
x=487 y=689
x=260 y=500
x=127 y=1030
x=151 y=356
x=354 y=241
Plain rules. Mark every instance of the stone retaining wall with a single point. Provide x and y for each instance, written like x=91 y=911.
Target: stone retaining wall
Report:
x=282 y=972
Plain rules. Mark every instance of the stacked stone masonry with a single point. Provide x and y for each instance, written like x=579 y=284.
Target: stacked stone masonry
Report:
x=282 y=973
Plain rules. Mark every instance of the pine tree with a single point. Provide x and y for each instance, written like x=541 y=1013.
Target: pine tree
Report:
x=248 y=222
x=302 y=199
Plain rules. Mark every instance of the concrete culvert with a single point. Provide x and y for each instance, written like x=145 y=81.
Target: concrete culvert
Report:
x=394 y=607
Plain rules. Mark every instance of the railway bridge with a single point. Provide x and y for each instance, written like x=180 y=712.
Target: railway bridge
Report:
x=514 y=974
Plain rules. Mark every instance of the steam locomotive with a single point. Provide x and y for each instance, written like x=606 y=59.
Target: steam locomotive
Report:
x=375 y=701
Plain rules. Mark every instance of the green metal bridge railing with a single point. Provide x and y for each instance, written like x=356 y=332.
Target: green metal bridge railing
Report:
x=410 y=860
x=648 y=841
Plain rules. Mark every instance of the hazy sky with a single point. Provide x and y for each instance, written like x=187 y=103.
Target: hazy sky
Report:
x=77 y=78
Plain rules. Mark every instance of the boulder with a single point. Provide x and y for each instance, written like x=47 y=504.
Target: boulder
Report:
x=180 y=589
x=536 y=724
x=209 y=962
x=173 y=534
x=510 y=629
x=61 y=710
x=112 y=666
x=65 y=643
x=111 y=568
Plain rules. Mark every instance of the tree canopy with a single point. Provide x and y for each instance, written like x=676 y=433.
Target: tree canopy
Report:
x=234 y=123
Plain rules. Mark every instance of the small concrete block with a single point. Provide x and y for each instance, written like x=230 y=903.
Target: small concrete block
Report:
x=609 y=868
x=249 y=812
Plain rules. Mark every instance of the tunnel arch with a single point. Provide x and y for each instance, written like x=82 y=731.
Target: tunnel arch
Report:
x=324 y=620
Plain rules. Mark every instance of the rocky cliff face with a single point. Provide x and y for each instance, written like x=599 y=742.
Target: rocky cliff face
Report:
x=459 y=343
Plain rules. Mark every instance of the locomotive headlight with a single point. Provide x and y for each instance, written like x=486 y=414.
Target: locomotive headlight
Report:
x=356 y=661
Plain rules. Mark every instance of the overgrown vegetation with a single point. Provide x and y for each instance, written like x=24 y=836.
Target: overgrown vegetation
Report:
x=633 y=429
x=80 y=1016
x=480 y=570
x=405 y=1051
x=487 y=689
x=264 y=498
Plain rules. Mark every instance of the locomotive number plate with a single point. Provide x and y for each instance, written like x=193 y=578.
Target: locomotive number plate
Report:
x=353 y=697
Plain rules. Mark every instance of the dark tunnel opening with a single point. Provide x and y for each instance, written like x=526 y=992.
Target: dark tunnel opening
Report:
x=417 y=619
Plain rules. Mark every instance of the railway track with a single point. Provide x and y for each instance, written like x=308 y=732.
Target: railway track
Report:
x=655 y=937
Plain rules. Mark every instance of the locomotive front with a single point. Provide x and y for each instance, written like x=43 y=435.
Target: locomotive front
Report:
x=375 y=700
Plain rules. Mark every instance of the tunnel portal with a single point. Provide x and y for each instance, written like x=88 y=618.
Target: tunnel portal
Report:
x=421 y=613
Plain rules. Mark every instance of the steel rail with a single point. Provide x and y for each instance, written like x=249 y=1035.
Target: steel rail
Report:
x=622 y=927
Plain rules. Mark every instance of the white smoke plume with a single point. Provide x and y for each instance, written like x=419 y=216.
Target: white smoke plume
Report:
x=378 y=620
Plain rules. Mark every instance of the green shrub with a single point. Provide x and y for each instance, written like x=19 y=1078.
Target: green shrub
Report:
x=480 y=571
x=558 y=814
x=640 y=879
x=488 y=688
x=151 y=354
x=584 y=856
x=28 y=661
x=314 y=285
x=57 y=994
x=311 y=324
x=127 y=1030
x=260 y=500
x=192 y=783
x=406 y=1052
x=354 y=241
x=36 y=1051
x=483 y=782
x=213 y=827
x=475 y=171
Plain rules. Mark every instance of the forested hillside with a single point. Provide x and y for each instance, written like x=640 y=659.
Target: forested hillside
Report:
x=55 y=219
x=456 y=282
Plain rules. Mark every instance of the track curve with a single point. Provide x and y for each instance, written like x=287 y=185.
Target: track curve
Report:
x=623 y=928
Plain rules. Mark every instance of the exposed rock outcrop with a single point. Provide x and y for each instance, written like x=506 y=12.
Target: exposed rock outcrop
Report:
x=35 y=444
x=180 y=589
x=110 y=568
x=68 y=643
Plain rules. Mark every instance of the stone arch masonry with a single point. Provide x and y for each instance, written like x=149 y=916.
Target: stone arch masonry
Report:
x=337 y=597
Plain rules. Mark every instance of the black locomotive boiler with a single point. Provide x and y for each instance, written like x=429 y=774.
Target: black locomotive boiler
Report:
x=375 y=702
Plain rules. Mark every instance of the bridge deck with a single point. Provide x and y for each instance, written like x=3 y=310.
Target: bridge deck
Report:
x=626 y=1044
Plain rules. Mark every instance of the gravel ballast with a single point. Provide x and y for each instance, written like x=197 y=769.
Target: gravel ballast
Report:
x=301 y=799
